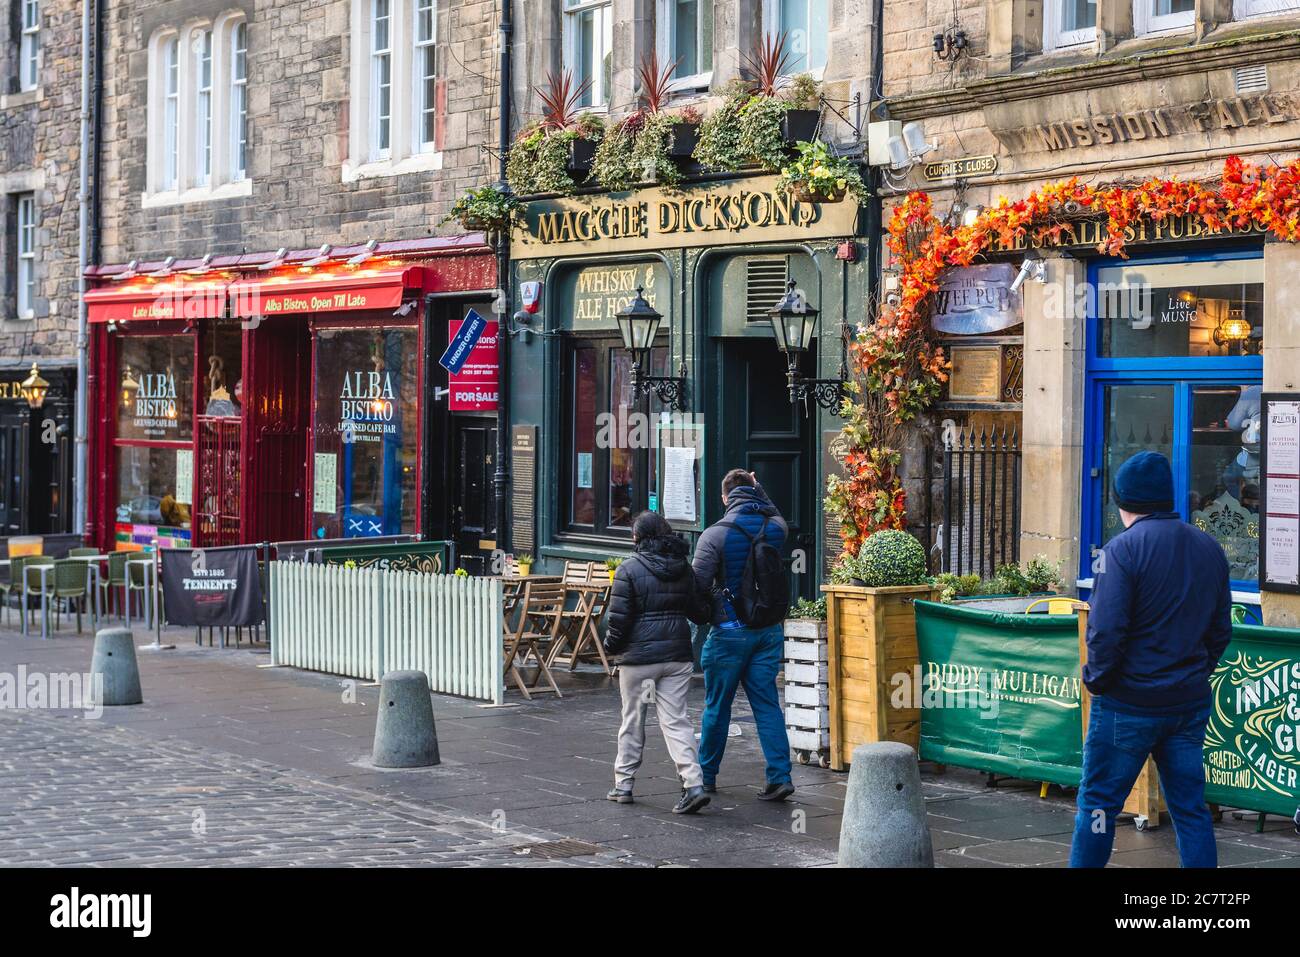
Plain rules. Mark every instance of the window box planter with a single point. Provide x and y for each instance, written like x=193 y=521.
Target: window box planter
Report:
x=682 y=142
x=581 y=154
x=871 y=635
x=799 y=125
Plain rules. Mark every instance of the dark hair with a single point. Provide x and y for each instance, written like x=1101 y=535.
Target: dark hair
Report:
x=650 y=525
x=735 y=479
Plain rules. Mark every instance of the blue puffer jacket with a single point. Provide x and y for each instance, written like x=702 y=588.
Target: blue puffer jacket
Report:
x=1160 y=616
x=721 y=552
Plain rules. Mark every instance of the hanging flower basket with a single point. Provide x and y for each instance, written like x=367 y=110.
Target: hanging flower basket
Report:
x=805 y=193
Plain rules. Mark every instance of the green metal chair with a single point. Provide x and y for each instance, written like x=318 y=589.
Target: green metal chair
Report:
x=13 y=585
x=82 y=552
x=70 y=585
x=114 y=584
x=34 y=583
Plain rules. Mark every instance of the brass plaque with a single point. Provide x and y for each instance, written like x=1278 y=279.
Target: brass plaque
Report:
x=976 y=374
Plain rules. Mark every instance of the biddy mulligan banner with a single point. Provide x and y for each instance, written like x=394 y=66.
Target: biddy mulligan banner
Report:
x=999 y=693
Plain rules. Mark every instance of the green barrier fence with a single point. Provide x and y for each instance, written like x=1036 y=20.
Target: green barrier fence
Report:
x=428 y=557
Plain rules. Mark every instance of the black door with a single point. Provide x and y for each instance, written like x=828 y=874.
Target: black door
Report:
x=762 y=432
x=15 y=440
x=473 y=502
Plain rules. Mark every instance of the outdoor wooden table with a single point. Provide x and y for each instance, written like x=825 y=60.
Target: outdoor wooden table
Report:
x=591 y=596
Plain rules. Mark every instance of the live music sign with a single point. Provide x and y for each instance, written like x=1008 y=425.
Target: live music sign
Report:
x=474 y=388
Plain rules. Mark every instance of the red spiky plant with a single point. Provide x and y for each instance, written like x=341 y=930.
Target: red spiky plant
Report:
x=767 y=64
x=560 y=100
x=656 y=82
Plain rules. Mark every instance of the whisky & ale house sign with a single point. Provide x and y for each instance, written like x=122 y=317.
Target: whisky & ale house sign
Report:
x=748 y=210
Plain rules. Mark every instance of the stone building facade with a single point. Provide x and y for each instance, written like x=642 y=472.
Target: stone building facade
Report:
x=1114 y=92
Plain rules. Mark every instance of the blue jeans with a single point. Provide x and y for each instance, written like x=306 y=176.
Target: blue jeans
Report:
x=1113 y=754
x=742 y=656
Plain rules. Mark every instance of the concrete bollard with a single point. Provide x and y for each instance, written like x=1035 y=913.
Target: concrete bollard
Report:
x=114 y=662
x=884 y=812
x=405 y=736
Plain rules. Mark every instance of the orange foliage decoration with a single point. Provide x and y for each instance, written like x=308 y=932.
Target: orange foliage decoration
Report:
x=898 y=370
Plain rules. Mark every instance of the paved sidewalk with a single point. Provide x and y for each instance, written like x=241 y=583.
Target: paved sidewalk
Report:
x=232 y=762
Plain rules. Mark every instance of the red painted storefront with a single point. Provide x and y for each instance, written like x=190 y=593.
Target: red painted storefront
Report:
x=271 y=398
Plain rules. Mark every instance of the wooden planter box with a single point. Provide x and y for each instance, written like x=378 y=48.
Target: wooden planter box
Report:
x=871 y=636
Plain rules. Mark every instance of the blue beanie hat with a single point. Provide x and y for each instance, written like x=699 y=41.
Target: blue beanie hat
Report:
x=1145 y=484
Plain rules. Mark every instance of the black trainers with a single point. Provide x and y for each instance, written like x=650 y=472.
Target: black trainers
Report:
x=691 y=801
x=619 y=796
x=776 y=792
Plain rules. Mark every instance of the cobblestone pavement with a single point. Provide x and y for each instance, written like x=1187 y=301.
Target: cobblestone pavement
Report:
x=232 y=762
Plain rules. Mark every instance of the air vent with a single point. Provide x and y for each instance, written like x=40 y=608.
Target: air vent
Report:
x=1251 y=79
x=764 y=286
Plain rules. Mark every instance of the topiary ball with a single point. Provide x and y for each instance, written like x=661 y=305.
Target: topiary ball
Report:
x=891 y=558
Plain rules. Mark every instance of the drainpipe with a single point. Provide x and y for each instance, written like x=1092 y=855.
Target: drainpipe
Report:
x=501 y=477
x=89 y=55
x=875 y=205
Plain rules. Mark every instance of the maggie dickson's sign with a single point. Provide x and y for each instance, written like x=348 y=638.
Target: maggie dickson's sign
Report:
x=744 y=210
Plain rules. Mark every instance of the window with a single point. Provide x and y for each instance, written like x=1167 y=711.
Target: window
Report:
x=688 y=39
x=609 y=468
x=1243 y=9
x=203 y=105
x=171 y=114
x=588 y=42
x=426 y=74
x=1161 y=16
x=1069 y=23
x=381 y=79
x=1174 y=366
x=29 y=53
x=26 y=256
x=806 y=25
x=239 y=102
x=198 y=113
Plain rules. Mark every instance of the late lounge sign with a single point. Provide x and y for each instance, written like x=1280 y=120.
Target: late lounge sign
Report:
x=748 y=210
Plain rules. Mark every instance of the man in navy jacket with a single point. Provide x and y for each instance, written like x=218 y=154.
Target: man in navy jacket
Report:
x=1160 y=618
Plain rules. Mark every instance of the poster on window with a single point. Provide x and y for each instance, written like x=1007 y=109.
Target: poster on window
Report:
x=325 y=486
x=473 y=388
x=211 y=587
x=1279 y=539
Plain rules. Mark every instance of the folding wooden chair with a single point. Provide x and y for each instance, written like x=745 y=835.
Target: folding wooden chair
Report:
x=539 y=612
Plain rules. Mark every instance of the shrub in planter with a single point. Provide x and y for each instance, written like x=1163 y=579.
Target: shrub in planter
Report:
x=745 y=130
x=487 y=209
x=890 y=558
x=641 y=148
x=545 y=154
x=800 y=121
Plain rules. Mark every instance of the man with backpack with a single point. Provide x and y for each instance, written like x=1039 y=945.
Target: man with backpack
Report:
x=738 y=561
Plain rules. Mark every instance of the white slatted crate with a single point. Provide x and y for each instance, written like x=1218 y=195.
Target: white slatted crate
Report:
x=810 y=696
x=807 y=674
x=800 y=717
x=809 y=739
x=809 y=629
x=805 y=651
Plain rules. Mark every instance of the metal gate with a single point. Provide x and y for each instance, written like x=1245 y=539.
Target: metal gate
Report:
x=981 y=500
x=217 y=488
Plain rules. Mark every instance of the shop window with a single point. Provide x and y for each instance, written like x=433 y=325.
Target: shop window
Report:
x=153 y=445
x=365 y=432
x=198 y=113
x=1162 y=16
x=395 y=111
x=25 y=255
x=686 y=39
x=1068 y=23
x=1174 y=366
x=221 y=388
x=29 y=46
x=1244 y=9
x=806 y=25
x=610 y=472
x=588 y=48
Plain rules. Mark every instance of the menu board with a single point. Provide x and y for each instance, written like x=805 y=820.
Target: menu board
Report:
x=680 y=455
x=325 y=483
x=1279 y=527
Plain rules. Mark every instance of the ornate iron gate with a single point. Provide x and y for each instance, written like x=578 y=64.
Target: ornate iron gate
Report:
x=981 y=500
x=219 y=466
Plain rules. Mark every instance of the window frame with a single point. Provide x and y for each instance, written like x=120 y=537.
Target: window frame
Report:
x=421 y=47
x=773 y=26
x=1054 y=38
x=1147 y=23
x=238 y=101
x=25 y=255
x=204 y=89
x=1245 y=9
x=171 y=118
x=667 y=45
x=29 y=46
x=1183 y=373
x=380 y=57
x=572 y=12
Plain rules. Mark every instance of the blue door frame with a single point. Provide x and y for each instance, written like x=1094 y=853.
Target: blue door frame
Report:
x=1182 y=373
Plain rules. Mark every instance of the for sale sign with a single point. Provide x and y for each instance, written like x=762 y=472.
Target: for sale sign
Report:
x=473 y=388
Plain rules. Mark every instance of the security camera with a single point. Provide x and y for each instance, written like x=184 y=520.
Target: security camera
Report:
x=914 y=137
x=1032 y=266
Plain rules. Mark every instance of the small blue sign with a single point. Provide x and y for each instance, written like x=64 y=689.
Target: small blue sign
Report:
x=462 y=344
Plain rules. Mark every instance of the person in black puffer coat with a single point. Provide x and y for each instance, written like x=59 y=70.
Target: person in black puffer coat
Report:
x=654 y=599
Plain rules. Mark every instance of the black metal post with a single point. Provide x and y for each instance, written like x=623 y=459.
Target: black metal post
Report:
x=501 y=476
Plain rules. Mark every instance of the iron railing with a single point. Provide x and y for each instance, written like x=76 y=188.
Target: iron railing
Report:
x=981 y=500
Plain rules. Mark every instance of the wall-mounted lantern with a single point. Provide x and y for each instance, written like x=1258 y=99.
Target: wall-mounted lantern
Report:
x=794 y=322
x=638 y=323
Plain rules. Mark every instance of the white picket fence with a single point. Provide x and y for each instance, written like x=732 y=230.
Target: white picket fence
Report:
x=362 y=622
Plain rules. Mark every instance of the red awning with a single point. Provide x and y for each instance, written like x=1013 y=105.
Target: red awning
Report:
x=342 y=291
x=149 y=299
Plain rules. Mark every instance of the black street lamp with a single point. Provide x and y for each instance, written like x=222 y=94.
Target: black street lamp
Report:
x=794 y=322
x=638 y=323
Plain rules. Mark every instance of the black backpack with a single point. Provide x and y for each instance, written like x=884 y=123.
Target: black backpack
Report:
x=764 y=587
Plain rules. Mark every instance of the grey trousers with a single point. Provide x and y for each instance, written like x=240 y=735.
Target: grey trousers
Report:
x=665 y=686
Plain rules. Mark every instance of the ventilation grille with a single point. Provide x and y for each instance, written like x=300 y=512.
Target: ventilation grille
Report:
x=558 y=850
x=764 y=286
x=1251 y=79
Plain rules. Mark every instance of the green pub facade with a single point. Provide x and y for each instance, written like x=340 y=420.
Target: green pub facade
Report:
x=711 y=393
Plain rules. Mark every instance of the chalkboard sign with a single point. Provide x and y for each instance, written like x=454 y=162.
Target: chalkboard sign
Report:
x=1279 y=488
